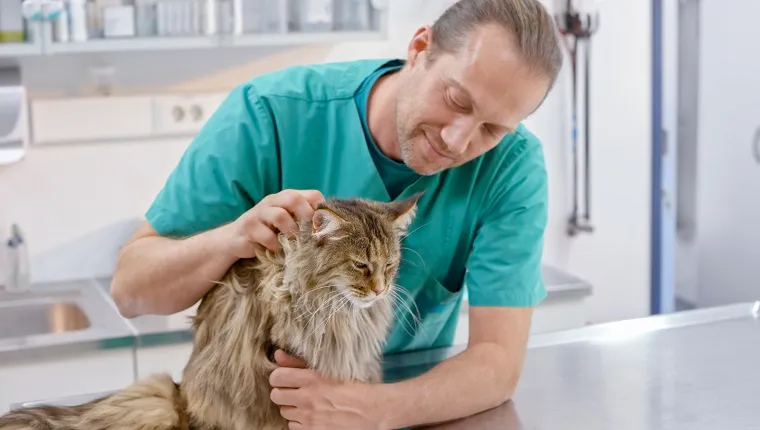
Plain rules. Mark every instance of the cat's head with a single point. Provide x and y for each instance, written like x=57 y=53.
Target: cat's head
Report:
x=351 y=247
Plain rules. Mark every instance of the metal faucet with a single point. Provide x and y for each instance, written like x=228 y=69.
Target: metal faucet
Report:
x=17 y=278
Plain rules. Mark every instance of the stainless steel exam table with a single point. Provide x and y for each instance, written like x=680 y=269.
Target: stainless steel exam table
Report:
x=695 y=370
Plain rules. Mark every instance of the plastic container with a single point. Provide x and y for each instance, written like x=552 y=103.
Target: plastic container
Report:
x=265 y=16
x=311 y=16
x=78 y=20
x=352 y=15
x=61 y=26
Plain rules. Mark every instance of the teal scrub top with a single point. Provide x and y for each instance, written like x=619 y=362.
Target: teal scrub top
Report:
x=479 y=226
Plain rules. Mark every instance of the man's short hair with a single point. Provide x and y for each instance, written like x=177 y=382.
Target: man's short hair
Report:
x=536 y=37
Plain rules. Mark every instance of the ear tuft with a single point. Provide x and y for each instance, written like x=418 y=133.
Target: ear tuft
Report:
x=326 y=224
x=404 y=211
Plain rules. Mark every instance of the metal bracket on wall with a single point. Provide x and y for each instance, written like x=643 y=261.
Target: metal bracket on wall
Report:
x=578 y=21
x=756 y=146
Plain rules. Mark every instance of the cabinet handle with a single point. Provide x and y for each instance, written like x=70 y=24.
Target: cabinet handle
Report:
x=756 y=146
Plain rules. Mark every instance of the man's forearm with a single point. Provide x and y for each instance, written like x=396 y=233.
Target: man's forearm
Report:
x=159 y=275
x=482 y=377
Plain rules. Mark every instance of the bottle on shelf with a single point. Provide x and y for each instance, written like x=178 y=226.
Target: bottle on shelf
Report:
x=264 y=16
x=311 y=16
x=78 y=20
x=352 y=15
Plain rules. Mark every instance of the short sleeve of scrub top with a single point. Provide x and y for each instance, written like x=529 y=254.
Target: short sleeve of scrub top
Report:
x=229 y=166
x=504 y=266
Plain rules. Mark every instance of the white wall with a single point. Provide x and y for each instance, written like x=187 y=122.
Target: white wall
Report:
x=64 y=192
x=728 y=176
x=620 y=166
x=60 y=193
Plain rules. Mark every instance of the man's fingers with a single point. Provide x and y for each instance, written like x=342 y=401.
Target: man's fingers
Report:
x=279 y=218
x=288 y=377
x=291 y=413
x=283 y=359
x=265 y=236
x=314 y=197
x=285 y=397
x=295 y=203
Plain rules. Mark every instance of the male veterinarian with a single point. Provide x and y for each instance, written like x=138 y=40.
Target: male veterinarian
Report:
x=447 y=120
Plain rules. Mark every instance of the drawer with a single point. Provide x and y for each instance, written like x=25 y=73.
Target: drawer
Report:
x=87 y=119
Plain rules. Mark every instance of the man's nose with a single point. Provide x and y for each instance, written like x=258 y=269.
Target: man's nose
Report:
x=458 y=134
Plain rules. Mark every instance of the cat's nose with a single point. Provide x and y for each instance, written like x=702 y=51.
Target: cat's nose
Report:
x=378 y=287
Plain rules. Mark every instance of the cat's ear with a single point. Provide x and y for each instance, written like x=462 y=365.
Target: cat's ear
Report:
x=403 y=212
x=326 y=224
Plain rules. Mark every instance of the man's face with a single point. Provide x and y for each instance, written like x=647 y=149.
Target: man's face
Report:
x=462 y=104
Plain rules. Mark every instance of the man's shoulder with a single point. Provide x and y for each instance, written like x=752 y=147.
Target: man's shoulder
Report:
x=315 y=82
x=517 y=155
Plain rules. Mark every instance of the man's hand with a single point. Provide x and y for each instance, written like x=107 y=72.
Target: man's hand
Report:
x=309 y=401
x=274 y=213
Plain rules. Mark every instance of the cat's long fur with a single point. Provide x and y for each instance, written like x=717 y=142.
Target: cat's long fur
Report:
x=289 y=300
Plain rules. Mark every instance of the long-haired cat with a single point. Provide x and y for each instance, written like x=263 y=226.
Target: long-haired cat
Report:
x=326 y=297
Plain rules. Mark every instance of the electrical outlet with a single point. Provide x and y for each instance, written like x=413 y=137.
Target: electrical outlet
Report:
x=183 y=114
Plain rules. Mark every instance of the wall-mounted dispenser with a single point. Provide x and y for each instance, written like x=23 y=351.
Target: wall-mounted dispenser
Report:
x=14 y=124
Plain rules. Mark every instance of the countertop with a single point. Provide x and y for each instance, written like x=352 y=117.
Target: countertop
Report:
x=693 y=370
x=110 y=330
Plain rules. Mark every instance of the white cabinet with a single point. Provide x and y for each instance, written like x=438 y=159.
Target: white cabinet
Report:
x=90 y=119
x=170 y=359
x=65 y=375
x=108 y=119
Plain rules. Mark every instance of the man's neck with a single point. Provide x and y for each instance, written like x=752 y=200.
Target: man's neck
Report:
x=381 y=115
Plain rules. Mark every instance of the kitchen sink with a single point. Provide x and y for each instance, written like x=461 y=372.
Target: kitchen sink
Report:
x=41 y=317
x=45 y=295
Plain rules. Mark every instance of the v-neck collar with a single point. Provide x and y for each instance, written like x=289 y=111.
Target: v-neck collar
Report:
x=377 y=189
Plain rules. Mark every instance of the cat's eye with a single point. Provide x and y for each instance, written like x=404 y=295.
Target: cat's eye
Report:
x=359 y=265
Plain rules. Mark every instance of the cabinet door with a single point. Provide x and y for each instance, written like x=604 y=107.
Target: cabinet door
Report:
x=65 y=375
x=728 y=175
x=170 y=359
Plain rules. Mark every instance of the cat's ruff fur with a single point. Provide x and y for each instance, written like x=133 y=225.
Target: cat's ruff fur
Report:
x=281 y=298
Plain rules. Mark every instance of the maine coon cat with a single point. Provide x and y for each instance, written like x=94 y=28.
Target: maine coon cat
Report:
x=327 y=297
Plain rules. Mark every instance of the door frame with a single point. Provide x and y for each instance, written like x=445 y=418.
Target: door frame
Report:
x=664 y=154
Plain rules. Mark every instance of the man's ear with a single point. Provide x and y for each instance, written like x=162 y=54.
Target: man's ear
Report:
x=420 y=43
x=404 y=211
x=326 y=224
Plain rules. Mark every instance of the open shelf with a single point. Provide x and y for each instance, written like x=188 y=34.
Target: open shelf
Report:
x=295 y=39
x=19 y=49
x=205 y=42
x=134 y=44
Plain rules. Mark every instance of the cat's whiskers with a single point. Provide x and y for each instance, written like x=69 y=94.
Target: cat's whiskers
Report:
x=328 y=302
x=303 y=298
x=398 y=300
x=325 y=321
x=404 y=260
x=413 y=231
x=418 y=255
x=398 y=289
